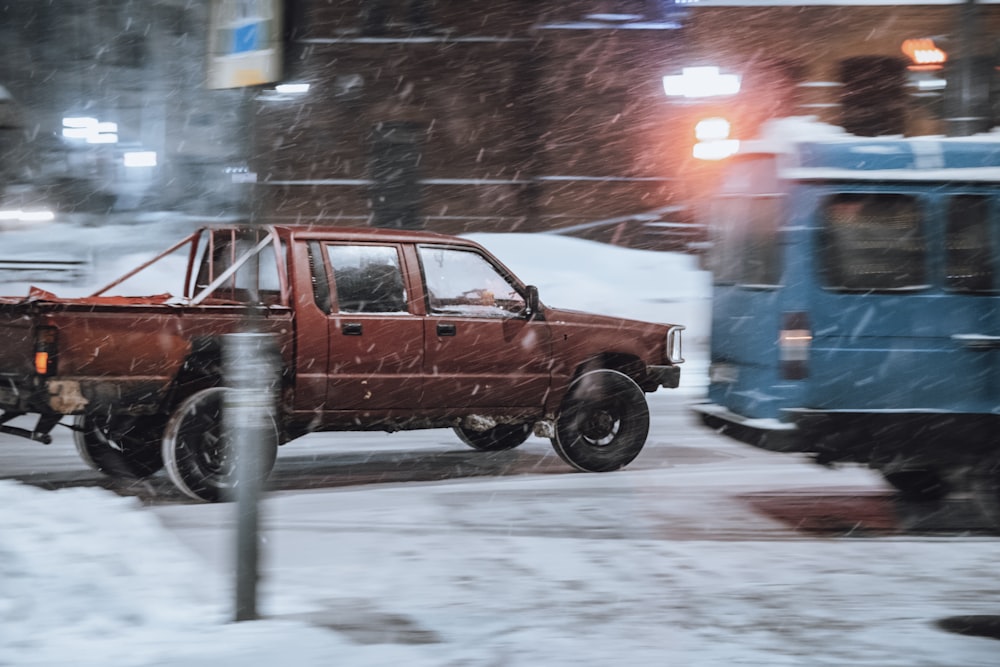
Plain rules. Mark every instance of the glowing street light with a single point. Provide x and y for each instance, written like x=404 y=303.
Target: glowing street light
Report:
x=713 y=139
x=696 y=82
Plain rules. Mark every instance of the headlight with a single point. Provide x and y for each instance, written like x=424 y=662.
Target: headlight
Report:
x=19 y=217
x=674 y=347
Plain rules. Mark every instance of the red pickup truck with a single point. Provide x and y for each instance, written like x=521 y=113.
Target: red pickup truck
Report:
x=376 y=329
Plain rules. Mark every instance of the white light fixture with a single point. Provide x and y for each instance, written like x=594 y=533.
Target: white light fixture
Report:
x=711 y=129
x=79 y=121
x=139 y=159
x=716 y=150
x=932 y=84
x=20 y=215
x=90 y=130
x=694 y=82
x=292 y=88
x=713 y=139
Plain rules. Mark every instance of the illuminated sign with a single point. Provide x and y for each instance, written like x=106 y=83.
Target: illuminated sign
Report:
x=924 y=54
x=244 y=43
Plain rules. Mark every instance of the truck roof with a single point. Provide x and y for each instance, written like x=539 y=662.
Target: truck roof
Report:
x=354 y=234
x=357 y=233
x=814 y=151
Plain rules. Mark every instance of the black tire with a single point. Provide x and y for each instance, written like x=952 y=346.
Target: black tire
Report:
x=603 y=422
x=497 y=439
x=198 y=460
x=919 y=485
x=984 y=482
x=122 y=447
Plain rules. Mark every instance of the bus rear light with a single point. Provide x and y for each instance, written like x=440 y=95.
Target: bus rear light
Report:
x=46 y=345
x=794 y=341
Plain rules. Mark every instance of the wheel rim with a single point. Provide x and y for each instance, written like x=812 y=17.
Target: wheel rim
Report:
x=599 y=428
x=201 y=435
x=207 y=443
x=198 y=457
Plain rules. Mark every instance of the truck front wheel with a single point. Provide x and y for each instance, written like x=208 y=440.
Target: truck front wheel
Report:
x=122 y=447
x=918 y=485
x=603 y=422
x=198 y=459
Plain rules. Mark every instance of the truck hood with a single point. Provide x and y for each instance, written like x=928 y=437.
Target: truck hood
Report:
x=566 y=316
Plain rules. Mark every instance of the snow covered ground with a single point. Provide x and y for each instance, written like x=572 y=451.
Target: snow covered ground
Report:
x=525 y=570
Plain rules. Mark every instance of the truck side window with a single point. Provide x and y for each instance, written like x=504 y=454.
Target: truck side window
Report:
x=368 y=279
x=872 y=241
x=463 y=282
x=968 y=246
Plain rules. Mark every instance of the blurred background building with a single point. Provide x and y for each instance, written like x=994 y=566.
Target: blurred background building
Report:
x=510 y=115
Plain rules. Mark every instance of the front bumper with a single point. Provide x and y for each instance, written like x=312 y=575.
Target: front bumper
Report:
x=662 y=376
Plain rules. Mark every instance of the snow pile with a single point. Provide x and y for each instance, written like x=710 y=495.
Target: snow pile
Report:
x=573 y=273
x=56 y=598
x=90 y=579
x=780 y=135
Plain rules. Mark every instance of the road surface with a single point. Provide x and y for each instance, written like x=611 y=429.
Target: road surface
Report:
x=750 y=492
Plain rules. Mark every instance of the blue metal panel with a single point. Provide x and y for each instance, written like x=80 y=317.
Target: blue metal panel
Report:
x=890 y=154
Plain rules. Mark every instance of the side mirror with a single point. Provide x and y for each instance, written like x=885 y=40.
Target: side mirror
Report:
x=531 y=302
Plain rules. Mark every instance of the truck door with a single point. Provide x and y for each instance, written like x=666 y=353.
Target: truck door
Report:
x=480 y=350
x=903 y=317
x=750 y=280
x=375 y=340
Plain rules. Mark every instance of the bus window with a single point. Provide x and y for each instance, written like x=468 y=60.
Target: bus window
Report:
x=968 y=249
x=723 y=256
x=745 y=249
x=761 y=251
x=872 y=242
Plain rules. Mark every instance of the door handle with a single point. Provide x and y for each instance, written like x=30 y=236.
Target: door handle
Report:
x=445 y=329
x=351 y=329
x=977 y=341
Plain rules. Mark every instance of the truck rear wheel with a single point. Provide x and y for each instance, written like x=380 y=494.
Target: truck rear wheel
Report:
x=120 y=446
x=984 y=481
x=497 y=439
x=918 y=485
x=603 y=422
x=198 y=460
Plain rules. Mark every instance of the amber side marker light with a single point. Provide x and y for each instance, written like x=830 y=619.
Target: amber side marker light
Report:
x=46 y=339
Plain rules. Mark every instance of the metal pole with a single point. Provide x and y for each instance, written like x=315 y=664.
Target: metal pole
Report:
x=250 y=369
x=965 y=105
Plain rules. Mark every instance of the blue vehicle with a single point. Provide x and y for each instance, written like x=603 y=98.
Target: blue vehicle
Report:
x=856 y=306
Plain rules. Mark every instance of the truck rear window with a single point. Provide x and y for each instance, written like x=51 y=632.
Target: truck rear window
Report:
x=872 y=242
x=746 y=247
